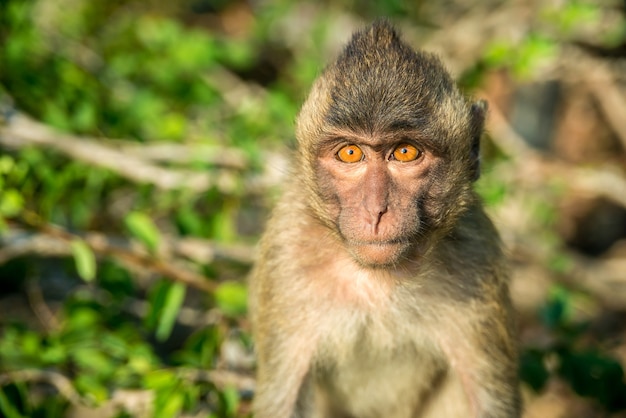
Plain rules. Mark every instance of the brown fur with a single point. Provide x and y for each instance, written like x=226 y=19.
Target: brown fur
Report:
x=381 y=288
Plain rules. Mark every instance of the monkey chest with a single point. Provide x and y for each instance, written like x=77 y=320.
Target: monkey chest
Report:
x=383 y=369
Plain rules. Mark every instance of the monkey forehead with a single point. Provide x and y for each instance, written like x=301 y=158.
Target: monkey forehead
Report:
x=378 y=141
x=379 y=83
x=380 y=107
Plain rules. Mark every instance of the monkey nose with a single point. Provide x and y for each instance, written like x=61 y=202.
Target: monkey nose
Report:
x=376 y=217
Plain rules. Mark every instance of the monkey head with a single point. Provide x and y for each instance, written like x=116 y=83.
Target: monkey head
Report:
x=388 y=147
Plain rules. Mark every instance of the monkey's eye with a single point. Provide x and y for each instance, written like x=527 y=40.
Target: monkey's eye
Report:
x=350 y=154
x=406 y=152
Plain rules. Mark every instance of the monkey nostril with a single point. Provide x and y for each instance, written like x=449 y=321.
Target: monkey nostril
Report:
x=378 y=218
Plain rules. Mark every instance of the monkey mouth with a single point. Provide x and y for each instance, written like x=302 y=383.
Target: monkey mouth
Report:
x=377 y=242
x=378 y=253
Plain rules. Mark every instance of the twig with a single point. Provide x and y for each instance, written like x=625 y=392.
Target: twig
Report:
x=195 y=318
x=128 y=160
x=603 y=80
x=505 y=137
x=186 y=153
x=605 y=278
x=604 y=182
x=236 y=93
x=17 y=242
x=54 y=241
x=612 y=100
x=62 y=384
x=39 y=306
x=22 y=130
x=221 y=378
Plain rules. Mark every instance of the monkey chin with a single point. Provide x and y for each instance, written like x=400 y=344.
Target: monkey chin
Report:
x=378 y=254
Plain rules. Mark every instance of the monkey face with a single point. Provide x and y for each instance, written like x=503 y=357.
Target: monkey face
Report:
x=372 y=189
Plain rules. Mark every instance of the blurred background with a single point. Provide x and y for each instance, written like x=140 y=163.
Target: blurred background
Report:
x=142 y=144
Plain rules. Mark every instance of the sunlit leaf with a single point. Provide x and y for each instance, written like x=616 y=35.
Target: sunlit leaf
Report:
x=7 y=408
x=91 y=386
x=93 y=360
x=54 y=354
x=231 y=298
x=85 y=116
x=173 y=302
x=160 y=379
x=84 y=259
x=6 y=164
x=231 y=399
x=11 y=202
x=171 y=406
x=158 y=295
x=141 y=227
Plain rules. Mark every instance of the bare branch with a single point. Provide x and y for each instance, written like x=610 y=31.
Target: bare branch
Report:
x=23 y=131
x=607 y=182
x=39 y=306
x=605 y=81
x=185 y=153
x=221 y=378
x=135 y=162
x=612 y=99
x=170 y=261
x=62 y=384
x=604 y=278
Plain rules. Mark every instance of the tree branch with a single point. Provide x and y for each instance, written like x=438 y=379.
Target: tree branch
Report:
x=530 y=165
x=22 y=131
x=171 y=260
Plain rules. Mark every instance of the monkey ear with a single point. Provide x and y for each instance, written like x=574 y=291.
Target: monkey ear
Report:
x=479 y=112
x=480 y=107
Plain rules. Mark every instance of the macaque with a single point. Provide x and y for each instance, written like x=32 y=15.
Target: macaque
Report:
x=380 y=290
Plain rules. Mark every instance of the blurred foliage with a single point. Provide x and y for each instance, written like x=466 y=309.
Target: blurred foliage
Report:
x=150 y=74
x=590 y=371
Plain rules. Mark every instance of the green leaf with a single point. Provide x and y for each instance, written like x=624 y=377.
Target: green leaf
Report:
x=54 y=354
x=160 y=379
x=85 y=260
x=141 y=227
x=173 y=302
x=30 y=344
x=11 y=203
x=170 y=404
x=92 y=387
x=85 y=116
x=224 y=228
x=231 y=399
x=158 y=294
x=6 y=164
x=7 y=408
x=172 y=126
x=231 y=298
x=81 y=319
x=139 y=361
x=93 y=361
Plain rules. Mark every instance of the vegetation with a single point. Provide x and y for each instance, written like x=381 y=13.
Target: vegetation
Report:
x=141 y=146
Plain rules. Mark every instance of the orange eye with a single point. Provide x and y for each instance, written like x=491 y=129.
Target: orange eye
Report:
x=406 y=152
x=350 y=154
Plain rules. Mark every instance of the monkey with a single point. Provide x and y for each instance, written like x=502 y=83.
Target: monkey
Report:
x=380 y=287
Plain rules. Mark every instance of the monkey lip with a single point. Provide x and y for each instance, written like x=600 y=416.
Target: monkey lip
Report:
x=380 y=243
x=378 y=253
